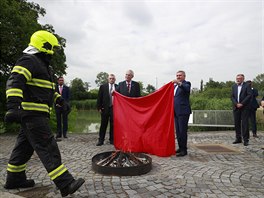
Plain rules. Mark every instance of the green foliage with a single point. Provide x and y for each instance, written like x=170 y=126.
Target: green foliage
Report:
x=212 y=99
x=9 y=128
x=89 y=104
x=141 y=88
x=77 y=89
x=150 y=89
x=101 y=78
x=214 y=84
x=216 y=93
x=258 y=82
x=18 y=21
x=93 y=93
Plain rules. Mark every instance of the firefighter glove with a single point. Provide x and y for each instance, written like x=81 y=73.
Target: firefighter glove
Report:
x=13 y=115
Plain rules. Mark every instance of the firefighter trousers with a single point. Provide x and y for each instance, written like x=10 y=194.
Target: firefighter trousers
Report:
x=35 y=135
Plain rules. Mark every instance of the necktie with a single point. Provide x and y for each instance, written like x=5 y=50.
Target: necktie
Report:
x=175 y=88
x=128 y=87
x=110 y=94
x=60 y=90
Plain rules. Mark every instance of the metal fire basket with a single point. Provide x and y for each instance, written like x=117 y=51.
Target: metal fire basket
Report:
x=121 y=163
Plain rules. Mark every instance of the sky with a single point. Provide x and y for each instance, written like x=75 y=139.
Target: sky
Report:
x=214 y=39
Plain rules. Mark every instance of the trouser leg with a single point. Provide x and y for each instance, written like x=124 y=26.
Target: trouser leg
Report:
x=65 y=123
x=39 y=135
x=111 y=133
x=16 y=168
x=58 y=119
x=245 y=126
x=237 y=122
x=181 y=123
x=253 y=121
x=181 y=131
x=103 y=126
x=22 y=151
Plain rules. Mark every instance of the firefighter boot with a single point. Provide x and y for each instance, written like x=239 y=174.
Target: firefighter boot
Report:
x=18 y=180
x=72 y=187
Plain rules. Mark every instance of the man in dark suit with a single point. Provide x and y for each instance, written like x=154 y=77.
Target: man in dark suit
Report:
x=182 y=111
x=62 y=111
x=240 y=97
x=253 y=108
x=105 y=107
x=129 y=87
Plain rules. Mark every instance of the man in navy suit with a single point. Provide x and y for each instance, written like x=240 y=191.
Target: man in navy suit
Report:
x=182 y=111
x=105 y=107
x=253 y=108
x=240 y=97
x=129 y=87
x=62 y=111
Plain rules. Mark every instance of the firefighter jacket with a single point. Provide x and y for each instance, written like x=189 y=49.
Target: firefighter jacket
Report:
x=31 y=86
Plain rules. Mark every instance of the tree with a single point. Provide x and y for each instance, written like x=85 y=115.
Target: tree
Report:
x=18 y=21
x=213 y=84
x=150 y=89
x=87 y=85
x=141 y=88
x=77 y=89
x=101 y=78
x=258 y=82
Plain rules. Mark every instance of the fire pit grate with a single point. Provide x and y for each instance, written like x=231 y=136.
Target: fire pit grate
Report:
x=121 y=163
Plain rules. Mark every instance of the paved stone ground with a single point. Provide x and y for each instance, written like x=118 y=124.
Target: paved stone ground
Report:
x=200 y=174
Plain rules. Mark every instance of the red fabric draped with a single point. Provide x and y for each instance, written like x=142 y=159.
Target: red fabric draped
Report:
x=145 y=124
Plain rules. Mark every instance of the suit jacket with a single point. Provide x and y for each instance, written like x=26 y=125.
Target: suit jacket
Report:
x=134 y=91
x=66 y=96
x=254 y=103
x=182 y=99
x=65 y=92
x=103 y=99
x=244 y=96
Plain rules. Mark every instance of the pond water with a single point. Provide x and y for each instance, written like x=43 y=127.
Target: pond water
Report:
x=85 y=122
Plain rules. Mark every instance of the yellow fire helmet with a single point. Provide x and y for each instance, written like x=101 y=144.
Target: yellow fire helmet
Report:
x=44 y=41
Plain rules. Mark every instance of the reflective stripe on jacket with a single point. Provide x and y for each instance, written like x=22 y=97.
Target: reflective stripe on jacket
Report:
x=31 y=84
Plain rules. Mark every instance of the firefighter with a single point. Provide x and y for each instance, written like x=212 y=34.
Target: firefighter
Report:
x=30 y=93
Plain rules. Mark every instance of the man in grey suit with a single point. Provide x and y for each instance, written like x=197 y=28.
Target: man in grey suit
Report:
x=240 y=97
x=129 y=87
x=105 y=107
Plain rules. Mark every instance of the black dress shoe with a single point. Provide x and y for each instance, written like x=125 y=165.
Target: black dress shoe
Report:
x=65 y=136
x=237 y=141
x=99 y=144
x=246 y=143
x=181 y=154
x=178 y=150
x=255 y=136
x=72 y=187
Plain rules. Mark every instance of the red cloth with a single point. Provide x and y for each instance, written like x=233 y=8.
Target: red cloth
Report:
x=145 y=124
